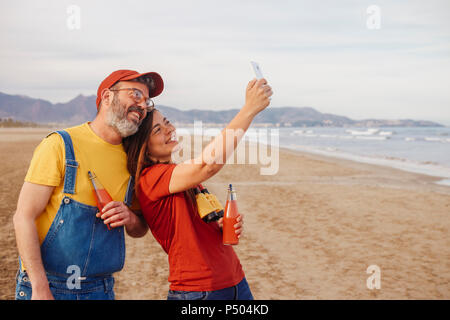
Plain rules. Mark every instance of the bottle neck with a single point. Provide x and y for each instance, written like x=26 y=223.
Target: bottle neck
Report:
x=233 y=195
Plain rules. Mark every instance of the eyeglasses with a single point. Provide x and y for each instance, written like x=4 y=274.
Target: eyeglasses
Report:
x=138 y=96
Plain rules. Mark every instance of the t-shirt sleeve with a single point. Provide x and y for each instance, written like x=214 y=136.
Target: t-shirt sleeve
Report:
x=154 y=181
x=47 y=164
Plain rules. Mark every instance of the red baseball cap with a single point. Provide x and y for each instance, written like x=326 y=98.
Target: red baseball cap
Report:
x=155 y=84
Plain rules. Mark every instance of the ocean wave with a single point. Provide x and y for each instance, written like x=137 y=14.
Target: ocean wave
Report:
x=436 y=139
x=368 y=132
x=373 y=138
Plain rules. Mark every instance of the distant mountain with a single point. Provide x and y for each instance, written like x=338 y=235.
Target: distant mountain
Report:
x=23 y=108
x=82 y=108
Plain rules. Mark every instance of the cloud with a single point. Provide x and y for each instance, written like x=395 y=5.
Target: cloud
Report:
x=315 y=53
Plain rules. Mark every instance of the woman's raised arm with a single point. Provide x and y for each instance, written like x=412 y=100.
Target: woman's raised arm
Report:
x=190 y=173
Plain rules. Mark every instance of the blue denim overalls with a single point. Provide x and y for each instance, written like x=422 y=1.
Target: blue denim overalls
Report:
x=79 y=253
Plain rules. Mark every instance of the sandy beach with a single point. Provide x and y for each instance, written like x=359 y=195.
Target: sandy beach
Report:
x=311 y=230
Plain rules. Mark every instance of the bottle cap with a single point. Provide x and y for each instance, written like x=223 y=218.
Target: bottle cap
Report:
x=91 y=175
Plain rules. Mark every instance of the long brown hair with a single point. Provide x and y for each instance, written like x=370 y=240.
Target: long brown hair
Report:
x=138 y=156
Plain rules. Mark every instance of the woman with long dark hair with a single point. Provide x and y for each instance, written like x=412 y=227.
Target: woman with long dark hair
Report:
x=200 y=266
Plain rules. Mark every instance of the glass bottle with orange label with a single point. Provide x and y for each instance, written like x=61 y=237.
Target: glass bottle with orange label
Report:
x=229 y=219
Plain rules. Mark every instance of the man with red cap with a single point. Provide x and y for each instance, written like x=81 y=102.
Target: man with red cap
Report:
x=69 y=250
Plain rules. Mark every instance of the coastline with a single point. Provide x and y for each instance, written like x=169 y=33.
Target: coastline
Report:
x=442 y=174
x=380 y=174
x=333 y=143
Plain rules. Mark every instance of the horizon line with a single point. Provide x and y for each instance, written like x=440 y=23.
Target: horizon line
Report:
x=446 y=122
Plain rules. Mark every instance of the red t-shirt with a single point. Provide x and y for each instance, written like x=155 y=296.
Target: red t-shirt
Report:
x=198 y=261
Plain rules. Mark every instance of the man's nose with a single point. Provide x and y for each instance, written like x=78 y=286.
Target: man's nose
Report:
x=143 y=105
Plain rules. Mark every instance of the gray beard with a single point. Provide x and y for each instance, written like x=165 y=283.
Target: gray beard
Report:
x=116 y=117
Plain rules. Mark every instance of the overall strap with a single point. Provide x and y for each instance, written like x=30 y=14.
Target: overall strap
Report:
x=71 y=164
x=130 y=189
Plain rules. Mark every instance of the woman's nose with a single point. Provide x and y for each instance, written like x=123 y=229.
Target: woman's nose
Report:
x=169 y=127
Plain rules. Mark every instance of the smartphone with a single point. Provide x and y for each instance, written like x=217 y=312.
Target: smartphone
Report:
x=257 y=70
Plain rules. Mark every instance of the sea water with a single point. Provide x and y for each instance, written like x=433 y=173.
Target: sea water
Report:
x=417 y=149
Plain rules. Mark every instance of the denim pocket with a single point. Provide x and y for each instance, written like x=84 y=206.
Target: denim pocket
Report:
x=187 y=295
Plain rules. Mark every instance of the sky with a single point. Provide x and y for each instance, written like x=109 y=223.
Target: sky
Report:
x=361 y=59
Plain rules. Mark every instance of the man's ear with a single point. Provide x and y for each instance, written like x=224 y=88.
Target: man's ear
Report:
x=107 y=96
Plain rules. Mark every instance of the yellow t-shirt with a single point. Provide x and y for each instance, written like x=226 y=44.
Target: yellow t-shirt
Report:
x=107 y=161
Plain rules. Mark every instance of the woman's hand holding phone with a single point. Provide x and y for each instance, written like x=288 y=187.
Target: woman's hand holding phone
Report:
x=257 y=96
